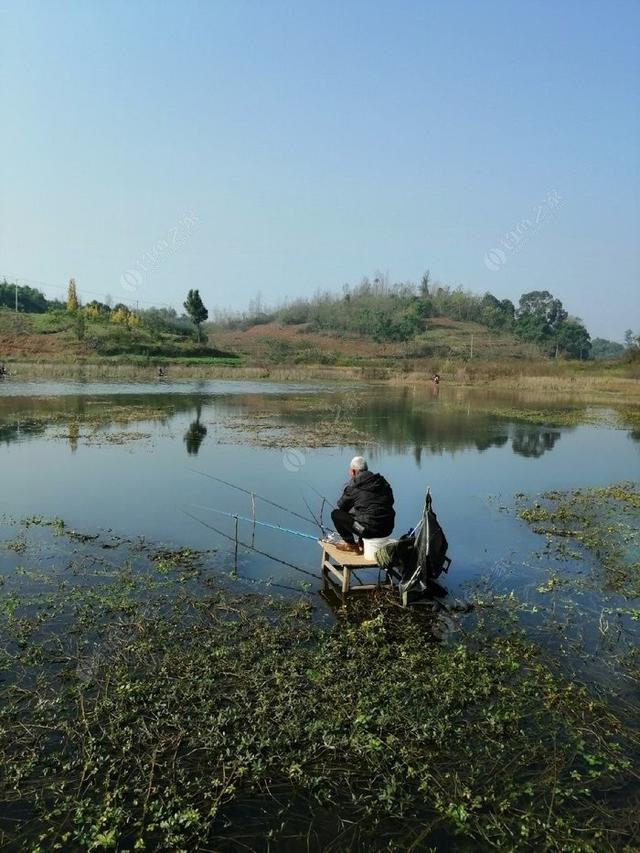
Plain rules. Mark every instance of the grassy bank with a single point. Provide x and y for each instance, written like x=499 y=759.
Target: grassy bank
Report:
x=596 y=383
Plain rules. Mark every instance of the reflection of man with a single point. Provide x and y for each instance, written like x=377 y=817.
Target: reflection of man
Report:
x=365 y=507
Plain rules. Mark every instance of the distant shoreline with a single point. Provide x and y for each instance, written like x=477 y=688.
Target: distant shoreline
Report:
x=601 y=382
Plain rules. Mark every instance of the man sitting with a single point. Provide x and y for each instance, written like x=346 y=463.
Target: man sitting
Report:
x=365 y=507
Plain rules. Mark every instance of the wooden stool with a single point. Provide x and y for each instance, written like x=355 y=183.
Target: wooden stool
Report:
x=340 y=564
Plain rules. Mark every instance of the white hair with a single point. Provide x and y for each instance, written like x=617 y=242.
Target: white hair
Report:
x=359 y=463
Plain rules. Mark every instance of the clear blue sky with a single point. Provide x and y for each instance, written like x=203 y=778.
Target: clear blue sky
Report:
x=314 y=143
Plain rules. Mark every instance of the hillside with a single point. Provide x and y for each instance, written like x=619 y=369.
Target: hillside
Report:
x=276 y=343
x=57 y=337
x=375 y=325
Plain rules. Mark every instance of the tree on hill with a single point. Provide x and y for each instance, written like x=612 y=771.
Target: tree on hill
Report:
x=30 y=300
x=601 y=348
x=496 y=313
x=424 y=284
x=632 y=345
x=122 y=315
x=573 y=339
x=95 y=310
x=539 y=317
x=194 y=307
x=73 y=303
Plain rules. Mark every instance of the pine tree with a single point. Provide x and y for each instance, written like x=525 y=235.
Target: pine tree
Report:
x=194 y=307
x=72 y=297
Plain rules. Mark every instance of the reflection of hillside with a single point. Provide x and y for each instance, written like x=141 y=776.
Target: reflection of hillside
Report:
x=23 y=417
x=533 y=441
x=399 y=421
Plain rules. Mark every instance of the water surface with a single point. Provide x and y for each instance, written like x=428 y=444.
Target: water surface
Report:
x=62 y=455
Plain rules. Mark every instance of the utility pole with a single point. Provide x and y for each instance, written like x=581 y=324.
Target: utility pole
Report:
x=16 y=285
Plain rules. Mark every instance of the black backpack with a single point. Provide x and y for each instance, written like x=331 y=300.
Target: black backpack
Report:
x=432 y=544
x=420 y=555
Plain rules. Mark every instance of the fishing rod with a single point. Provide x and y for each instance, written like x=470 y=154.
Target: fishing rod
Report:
x=248 y=547
x=312 y=513
x=319 y=494
x=255 y=521
x=253 y=494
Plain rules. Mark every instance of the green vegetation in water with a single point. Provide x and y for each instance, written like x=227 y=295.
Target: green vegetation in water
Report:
x=605 y=521
x=88 y=423
x=136 y=714
x=572 y=416
x=271 y=429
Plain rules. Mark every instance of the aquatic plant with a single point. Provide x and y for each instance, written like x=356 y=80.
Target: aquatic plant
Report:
x=605 y=521
x=136 y=715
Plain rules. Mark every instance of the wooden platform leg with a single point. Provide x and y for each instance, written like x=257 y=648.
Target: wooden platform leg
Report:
x=346 y=579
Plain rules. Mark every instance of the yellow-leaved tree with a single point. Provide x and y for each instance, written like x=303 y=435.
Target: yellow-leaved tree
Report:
x=73 y=303
x=124 y=316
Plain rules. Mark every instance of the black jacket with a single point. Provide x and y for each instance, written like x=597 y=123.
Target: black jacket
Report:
x=369 y=498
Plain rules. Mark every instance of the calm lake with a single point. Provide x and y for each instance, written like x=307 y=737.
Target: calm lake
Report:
x=131 y=458
x=99 y=476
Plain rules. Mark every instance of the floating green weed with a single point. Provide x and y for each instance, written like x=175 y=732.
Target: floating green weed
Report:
x=604 y=520
x=149 y=740
x=140 y=710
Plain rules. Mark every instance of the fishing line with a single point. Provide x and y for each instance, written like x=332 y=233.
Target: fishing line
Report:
x=255 y=495
x=255 y=521
x=270 y=583
x=319 y=494
x=248 y=547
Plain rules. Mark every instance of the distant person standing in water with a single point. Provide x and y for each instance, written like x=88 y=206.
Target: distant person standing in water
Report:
x=365 y=508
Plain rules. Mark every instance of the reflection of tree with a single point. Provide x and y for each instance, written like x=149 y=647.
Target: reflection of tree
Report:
x=17 y=430
x=629 y=419
x=29 y=416
x=194 y=436
x=74 y=432
x=394 y=421
x=485 y=442
x=532 y=440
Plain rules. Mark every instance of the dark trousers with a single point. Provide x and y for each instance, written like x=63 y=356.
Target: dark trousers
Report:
x=346 y=525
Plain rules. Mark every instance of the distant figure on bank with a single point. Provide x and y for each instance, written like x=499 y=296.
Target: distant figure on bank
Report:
x=435 y=384
x=365 y=508
x=436 y=378
x=161 y=373
x=3 y=371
